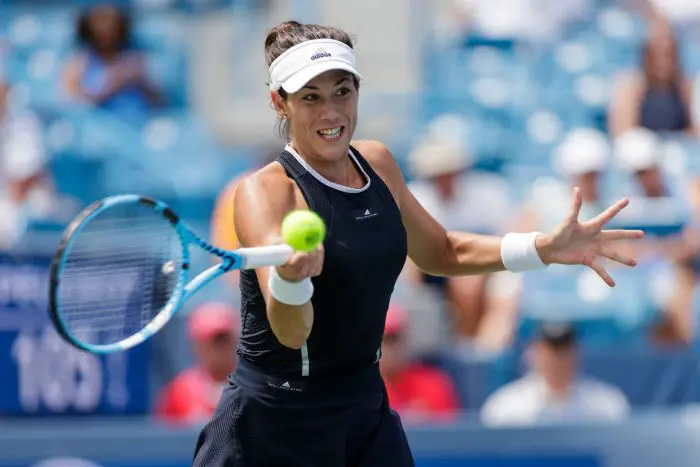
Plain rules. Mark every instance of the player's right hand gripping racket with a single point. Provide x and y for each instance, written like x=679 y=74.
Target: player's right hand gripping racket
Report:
x=122 y=269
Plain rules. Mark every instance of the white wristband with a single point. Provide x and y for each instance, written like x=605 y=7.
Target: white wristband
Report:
x=519 y=253
x=290 y=293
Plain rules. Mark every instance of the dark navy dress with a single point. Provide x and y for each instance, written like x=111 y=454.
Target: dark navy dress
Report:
x=324 y=405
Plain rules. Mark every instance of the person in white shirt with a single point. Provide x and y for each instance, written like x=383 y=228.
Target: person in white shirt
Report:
x=538 y=20
x=27 y=192
x=554 y=390
x=459 y=198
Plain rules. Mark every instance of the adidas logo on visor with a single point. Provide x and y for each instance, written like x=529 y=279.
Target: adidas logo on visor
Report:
x=320 y=53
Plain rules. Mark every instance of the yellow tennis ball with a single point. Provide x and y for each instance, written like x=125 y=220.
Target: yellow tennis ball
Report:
x=303 y=230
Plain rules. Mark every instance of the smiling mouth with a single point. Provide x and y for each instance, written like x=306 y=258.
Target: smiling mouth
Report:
x=331 y=135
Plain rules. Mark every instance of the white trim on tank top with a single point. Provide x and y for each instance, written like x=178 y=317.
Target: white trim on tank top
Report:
x=324 y=180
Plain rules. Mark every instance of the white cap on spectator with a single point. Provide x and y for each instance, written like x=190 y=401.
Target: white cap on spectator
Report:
x=583 y=150
x=638 y=149
x=450 y=129
x=433 y=158
x=24 y=154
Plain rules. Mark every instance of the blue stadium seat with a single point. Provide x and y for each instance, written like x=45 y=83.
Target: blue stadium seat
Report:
x=649 y=377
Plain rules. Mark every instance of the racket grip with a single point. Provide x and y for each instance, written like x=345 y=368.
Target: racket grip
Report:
x=273 y=255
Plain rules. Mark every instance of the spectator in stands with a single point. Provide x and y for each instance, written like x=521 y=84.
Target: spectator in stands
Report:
x=193 y=395
x=27 y=193
x=681 y=13
x=108 y=71
x=554 y=390
x=664 y=201
x=459 y=198
x=659 y=97
x=542 y=20
x=417 y=392
x=581 y=159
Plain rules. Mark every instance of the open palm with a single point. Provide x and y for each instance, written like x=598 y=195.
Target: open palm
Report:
x=574 y=242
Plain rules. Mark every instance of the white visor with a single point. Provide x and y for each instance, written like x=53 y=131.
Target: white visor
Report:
x=303 y=62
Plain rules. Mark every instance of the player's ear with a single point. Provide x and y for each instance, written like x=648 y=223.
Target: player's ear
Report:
x=279 y=104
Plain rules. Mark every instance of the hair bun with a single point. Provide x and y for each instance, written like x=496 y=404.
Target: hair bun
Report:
x=288 y=26
x=282 y=29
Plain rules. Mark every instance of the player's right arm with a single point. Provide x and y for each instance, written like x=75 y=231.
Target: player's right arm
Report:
x=261 y=203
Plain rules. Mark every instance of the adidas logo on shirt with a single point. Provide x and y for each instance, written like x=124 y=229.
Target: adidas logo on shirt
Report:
x=320 y=53
x=286 y=385
x=365 y=214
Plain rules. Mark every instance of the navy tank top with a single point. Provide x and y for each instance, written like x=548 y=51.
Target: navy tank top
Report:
x=365 y=251
x=664 y=110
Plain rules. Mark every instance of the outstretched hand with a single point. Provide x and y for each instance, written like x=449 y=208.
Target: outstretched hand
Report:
x=575 y=242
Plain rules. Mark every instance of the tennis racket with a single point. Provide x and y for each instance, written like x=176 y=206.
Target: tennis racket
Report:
x=122 y=270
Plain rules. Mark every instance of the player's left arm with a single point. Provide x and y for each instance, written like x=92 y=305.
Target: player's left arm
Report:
x=433 y=249
x=439 y=252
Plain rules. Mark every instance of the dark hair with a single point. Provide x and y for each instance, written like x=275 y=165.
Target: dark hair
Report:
x=676 y=82
x=86 y=37
x=290 y=33
x=647 y=60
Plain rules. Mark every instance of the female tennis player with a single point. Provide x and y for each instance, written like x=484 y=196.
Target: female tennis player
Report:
x=307 y=391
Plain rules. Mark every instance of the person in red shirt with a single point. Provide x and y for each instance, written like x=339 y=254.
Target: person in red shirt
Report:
x=193 y=395
x=417 y=392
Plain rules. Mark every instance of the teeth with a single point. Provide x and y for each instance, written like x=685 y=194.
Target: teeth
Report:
x=331 y=132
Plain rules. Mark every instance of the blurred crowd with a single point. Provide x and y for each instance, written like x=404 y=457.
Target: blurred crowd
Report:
x=518 y=349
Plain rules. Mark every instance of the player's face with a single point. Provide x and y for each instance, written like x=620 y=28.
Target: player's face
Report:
x=557 y=364
x=588 y=184
x=323 y=115
x=218 y=354
x=652 y=182
x=662 y=53
x=446 y=184
x=104 y=24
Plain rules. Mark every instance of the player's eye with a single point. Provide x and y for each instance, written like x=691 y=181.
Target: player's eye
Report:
x=343 y=91
x=310 y=97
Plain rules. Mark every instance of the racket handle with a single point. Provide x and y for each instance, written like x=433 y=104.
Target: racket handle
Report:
x=273 y=255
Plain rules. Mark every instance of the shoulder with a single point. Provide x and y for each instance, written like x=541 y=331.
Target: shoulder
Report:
x=269 y=183
x=78 y=59
x=628 y=81
x=376 y=153
x=514 y=394
x=603 y=390
x=383 y=162
x=230 y=189
x=604 y=399
x=261 y=201
x=513 y=403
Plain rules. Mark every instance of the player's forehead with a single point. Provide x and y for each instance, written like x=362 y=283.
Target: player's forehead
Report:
x=329 y=78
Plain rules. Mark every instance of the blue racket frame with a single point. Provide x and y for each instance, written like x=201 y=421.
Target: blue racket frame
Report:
x=183 y=290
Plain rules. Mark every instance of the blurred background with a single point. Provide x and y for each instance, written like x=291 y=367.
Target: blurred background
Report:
x=495 y=110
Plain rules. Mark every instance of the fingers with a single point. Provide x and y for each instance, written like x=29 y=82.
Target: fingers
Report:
x=614 y=235
x=618 y=257
x=576 y=204
x=599 y=221
x=302 y=265
x=602 y=273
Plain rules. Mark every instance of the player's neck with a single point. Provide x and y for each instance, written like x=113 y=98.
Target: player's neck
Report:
x=338 y=168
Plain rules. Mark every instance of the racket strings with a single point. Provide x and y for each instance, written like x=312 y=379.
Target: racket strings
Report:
x=119 y=273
